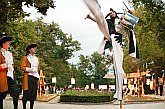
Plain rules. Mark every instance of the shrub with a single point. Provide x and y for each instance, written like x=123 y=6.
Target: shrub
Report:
x=90 y=96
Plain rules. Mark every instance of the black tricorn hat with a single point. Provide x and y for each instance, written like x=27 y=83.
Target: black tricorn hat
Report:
x=4 y=38
x=30 y=46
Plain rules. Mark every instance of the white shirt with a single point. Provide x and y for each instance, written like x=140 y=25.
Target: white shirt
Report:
x=34 y=65
x=9 y=62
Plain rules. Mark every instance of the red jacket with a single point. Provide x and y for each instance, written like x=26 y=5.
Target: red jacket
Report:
x=3 y=75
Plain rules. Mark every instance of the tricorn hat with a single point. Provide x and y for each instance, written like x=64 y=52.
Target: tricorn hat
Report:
x=30 y=46
x=4 y=38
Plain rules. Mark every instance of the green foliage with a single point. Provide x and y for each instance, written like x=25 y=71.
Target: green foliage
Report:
x=86 y=93
x=82 y=96
x=149 y=32
x=92 y=69
x=51 y=41
x=82 y=99
x=42 y=5
x=11 y=10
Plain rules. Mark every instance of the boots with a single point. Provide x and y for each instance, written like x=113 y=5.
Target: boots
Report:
x=31 y=104
x=15 y=103
x=24 y=103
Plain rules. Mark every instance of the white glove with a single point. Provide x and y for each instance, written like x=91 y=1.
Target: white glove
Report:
x=29 y=69
x=3 y=66
x=35 y=70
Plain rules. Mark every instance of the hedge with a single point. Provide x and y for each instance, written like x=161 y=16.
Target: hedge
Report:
x=83 y=97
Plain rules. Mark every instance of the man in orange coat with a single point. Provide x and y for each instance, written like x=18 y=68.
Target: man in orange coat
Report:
x=30 y=65
x=7 y=82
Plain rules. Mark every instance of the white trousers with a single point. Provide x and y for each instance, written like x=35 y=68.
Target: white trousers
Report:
x=118 y=62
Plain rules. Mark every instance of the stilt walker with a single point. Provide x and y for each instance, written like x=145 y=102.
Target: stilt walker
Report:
x=95 y=9
x=115 y=41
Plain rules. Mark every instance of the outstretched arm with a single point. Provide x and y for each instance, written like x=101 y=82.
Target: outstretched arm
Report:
x=90 y=17
x=95 y=9
x=107 y=15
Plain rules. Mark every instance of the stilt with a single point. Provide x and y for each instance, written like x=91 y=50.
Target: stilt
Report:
x=120 y=104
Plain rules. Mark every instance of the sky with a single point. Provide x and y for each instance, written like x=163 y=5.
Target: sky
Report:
x=70 y=16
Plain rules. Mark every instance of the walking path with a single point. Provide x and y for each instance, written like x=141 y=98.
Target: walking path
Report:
x=44 y=105
x=156 y=96
x=55 y=100
x=54 y=104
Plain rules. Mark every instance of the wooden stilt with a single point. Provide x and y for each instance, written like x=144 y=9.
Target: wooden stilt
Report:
x=120 y=104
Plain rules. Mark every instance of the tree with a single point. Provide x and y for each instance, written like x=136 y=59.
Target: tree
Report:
x=83 y=69
x=93 y=68
x=149 y=34
x=54 y=46
x=11 y=10
x=150 y=30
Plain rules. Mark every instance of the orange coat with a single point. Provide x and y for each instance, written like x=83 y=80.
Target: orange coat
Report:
x=3 y=75
x=25 y=63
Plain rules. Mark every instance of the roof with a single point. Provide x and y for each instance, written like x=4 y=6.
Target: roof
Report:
x=112 y=76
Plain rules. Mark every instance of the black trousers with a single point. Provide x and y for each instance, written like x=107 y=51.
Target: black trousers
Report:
x=161 y=90
x=13 y=91
x=31 y=93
